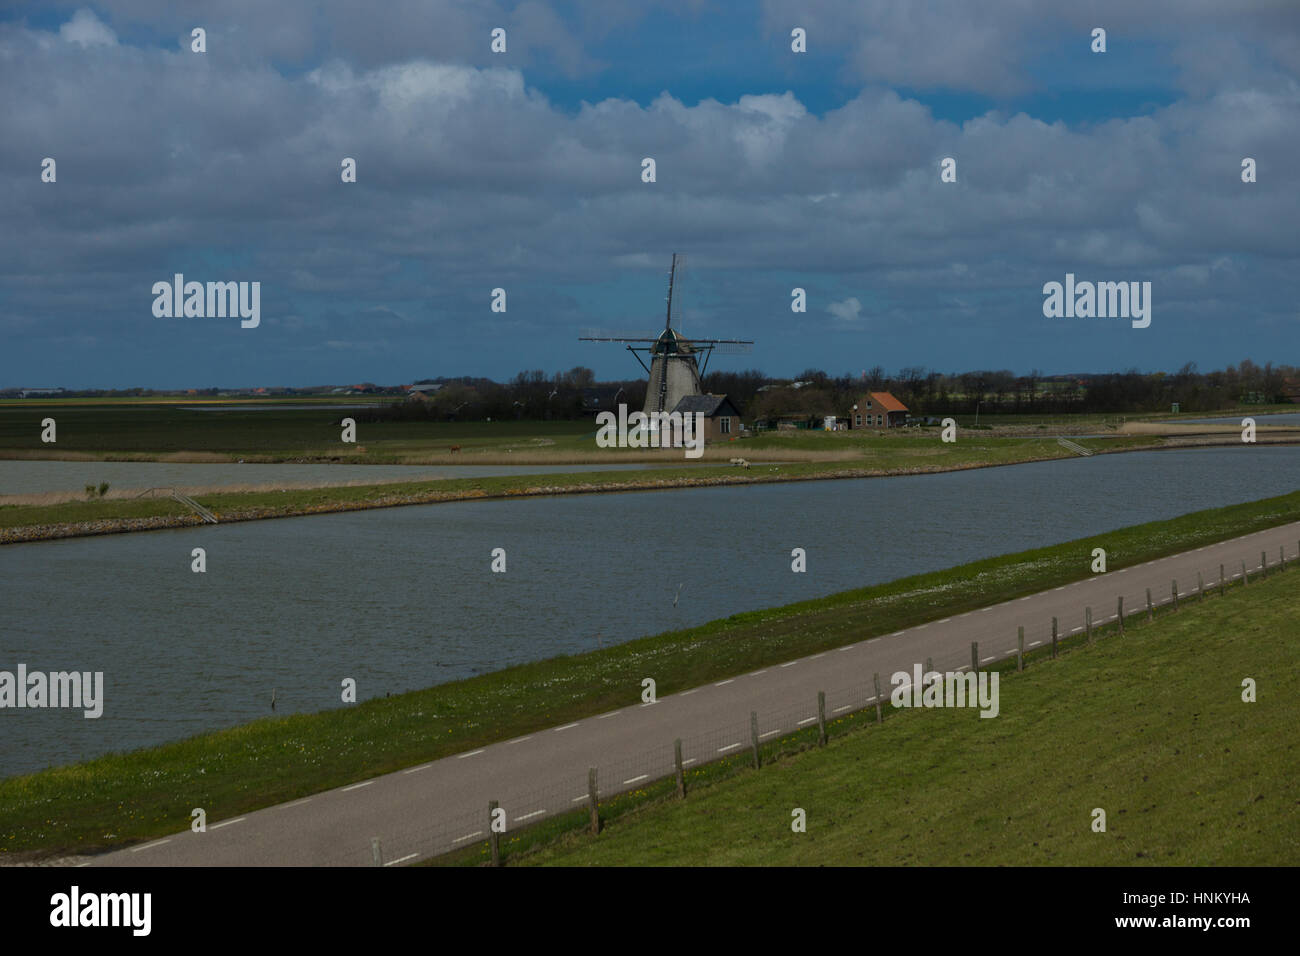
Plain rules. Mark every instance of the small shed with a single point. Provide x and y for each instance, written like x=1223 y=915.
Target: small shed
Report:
x=721 y=416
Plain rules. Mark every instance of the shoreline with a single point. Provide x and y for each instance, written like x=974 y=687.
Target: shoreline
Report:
x=27 y=534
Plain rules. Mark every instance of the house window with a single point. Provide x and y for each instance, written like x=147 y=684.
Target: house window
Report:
x=880 y=420
x=724 y=425
x=857 y=421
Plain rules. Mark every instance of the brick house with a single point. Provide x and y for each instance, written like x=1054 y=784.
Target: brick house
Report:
x=878 y=410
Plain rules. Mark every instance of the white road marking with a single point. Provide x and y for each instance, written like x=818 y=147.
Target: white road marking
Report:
x=849 y=648
x=518 y=740
x=692 y=760
x=729 y=747
x=357 y=786
x=296 y=803
x=807 y=720
x=838 y=709
x=944 y=621
x=472 y=753
x=402 y=859
x=985 y=660
x=567 y=726
x=150 y=846
x=687 y=692
x=226 y=823
x=414 y=769
x=1035 y=643
x=635 y=779
x=581 y=796
x=612 y=713
x=756 y=673
x=815 y=656
x=468 y=836
x=529 y=816
x=790 y=664
x=768 y=734
x=727 y=681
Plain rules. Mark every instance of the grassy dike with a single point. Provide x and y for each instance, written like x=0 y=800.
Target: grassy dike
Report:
x=123 y=798
x=1151 y=727
x=21 y=523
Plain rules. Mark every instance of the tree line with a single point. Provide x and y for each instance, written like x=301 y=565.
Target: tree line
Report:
x=577 y=393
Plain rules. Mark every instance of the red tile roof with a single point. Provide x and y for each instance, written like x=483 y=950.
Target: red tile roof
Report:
x=888 y=402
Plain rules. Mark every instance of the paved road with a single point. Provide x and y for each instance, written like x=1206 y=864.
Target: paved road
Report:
x=424 y=810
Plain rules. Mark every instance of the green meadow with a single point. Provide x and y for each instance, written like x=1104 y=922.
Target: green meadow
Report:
x=1150 y=728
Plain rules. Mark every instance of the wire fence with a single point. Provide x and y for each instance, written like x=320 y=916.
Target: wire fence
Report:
x=522 y=806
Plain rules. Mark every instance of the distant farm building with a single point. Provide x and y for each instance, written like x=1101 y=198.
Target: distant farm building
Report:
x=879 y=410
x=721 y=417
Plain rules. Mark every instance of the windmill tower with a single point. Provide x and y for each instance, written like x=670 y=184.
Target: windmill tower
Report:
x=674 y=367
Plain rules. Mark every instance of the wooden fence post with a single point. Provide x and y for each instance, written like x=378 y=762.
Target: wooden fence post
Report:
x=1087 y=622
x=1151 y=608
x=975 y=656
x=376 y=852
x=681 y=774
x=494 y=838
x=1175 y=590
x=1200 y=587
x=1245 y=575
x=1020 y=648
x=1053 y=638
x=1263 y=564
x=879 y=715
x=592 y=802
x=753 y=735
x=821 y=718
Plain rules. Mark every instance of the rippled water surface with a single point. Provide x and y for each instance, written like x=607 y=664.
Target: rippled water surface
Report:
x=403 y=598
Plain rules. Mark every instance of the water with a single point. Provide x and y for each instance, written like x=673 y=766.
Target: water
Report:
x=1281 y=418
x=25 y=477
x=403 y=598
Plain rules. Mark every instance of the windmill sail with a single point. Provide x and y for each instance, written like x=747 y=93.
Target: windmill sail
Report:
x=674 y=368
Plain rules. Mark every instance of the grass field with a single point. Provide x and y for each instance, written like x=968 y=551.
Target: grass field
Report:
x=1150 y=727
x=122 y=798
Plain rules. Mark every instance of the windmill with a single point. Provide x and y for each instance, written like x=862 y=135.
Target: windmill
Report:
x=674 y=368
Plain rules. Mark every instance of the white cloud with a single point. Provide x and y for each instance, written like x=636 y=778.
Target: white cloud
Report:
x=846 y=311
x=85 y=29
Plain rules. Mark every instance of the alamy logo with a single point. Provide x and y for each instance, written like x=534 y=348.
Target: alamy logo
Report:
x=953 y=689
x=652 y=430
x=1102 y=300
x=134 y=910
x=218 y=300
x=56 y=689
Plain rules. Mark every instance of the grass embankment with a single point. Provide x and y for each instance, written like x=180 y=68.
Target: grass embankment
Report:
x=1150 y=727
x=19 y=522
x=148 y=793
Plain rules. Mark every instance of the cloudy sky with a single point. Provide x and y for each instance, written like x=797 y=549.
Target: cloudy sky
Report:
x=523 y=170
